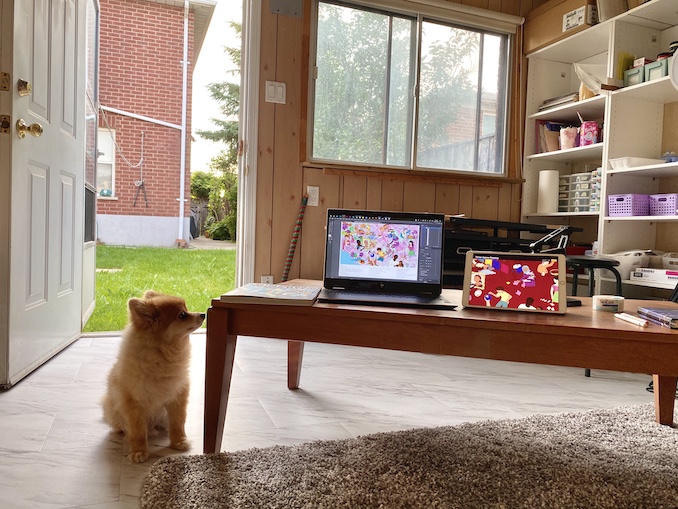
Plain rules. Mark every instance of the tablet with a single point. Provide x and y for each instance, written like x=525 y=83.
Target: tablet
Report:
x=534 y=283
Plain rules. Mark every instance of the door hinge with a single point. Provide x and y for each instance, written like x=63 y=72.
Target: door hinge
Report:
x=4 y=81
x=5 y=124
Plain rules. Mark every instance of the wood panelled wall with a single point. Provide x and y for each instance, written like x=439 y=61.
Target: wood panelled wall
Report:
x=282 y=177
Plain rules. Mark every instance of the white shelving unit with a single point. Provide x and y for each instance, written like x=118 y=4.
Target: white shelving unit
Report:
x=632 y=119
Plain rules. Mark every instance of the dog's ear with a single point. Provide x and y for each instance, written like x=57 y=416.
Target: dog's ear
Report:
x=142 y=313
x=151 y=293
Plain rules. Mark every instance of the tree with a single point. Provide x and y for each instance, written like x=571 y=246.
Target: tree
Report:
x=227 y=94
x=222 y=196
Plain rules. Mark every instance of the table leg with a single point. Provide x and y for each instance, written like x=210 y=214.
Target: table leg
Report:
x=664 y=398
x=295 y=354
x=219 y=357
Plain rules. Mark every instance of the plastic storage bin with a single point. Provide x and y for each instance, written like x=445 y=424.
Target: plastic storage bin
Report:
x=670 y=261
x=628 y=205
x=663 y=204
x=630 y=260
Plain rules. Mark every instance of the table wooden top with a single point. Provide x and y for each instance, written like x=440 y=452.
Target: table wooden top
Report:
x=581 y=320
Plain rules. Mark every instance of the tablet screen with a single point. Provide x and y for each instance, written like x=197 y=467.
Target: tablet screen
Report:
x=515 y=281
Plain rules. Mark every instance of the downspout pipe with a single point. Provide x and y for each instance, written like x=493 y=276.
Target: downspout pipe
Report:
x=184 y=98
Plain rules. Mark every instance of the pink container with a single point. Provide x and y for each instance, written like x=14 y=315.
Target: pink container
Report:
x=588 y=133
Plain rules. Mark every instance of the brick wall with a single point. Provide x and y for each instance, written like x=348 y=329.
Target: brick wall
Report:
x=141 y=53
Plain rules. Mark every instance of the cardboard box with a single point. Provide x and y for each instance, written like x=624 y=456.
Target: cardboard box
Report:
x=555 y=20
x=635 y=3
x=608 y=9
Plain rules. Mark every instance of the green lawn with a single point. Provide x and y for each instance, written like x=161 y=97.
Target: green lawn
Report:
x=196 y=275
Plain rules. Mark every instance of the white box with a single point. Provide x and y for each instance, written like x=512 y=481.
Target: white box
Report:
x=660 y=276
x=582 y=16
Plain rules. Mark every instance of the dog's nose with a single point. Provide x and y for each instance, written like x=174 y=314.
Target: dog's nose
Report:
x=202 y=315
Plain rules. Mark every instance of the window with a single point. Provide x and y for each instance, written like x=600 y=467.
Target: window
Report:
x=407 y=91
x=106 y=163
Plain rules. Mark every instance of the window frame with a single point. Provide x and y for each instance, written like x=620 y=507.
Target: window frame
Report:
x=445 y=18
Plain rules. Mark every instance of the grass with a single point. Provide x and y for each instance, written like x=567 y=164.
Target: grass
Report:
x=196 y=275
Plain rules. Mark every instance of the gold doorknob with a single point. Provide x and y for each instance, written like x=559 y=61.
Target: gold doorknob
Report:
x=24 y=87
x=22 y=128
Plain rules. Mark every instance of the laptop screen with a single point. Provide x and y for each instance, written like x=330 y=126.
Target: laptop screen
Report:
x=395 y=252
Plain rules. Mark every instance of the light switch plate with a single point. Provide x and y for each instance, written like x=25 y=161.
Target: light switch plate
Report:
x=276 y=92
x=292 y=8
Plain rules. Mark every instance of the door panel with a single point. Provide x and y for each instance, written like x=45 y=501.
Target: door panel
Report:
x=35 y=42
x=36 y=249
x=68 y=240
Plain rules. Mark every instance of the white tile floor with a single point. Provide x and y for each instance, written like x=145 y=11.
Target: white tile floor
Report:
x=56 y=451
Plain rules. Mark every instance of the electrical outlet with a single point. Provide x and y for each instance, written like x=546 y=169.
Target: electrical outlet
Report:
x=313 y=195
x=267 y=279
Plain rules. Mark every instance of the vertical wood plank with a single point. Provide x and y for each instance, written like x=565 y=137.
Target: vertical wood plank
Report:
x=482 y=4
x=311 y=246
x=516 y=203
x=419 y=196
x=287 y=180
x=265 y=149
x=466 y=200
x=392 y=195
x=447 y=199
x=494 y=5
x=354 y=193
x=485 y=202
x=373 y=194
x=525 y=5
x=503 y=203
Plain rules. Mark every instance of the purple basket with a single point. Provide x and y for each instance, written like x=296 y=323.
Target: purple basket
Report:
x=663 y=204
x=628 y=205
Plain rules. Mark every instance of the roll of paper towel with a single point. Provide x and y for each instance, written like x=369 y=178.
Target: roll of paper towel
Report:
x=547 y=198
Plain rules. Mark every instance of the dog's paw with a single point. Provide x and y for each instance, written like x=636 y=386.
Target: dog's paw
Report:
x=138 y=456
x=182 y=445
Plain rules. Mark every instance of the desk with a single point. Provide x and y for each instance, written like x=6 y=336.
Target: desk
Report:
x=581 y=338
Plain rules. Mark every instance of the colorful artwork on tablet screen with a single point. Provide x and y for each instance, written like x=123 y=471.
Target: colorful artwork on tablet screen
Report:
x=530 y=283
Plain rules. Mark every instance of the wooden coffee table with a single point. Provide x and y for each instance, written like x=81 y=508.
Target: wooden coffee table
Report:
x=581 y=338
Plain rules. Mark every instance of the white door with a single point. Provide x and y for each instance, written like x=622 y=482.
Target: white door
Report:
x=46 y=201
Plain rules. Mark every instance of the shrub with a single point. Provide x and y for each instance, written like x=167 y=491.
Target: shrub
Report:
x=220 y=230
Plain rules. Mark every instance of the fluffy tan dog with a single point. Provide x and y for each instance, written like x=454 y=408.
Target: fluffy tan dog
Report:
x=148 y=385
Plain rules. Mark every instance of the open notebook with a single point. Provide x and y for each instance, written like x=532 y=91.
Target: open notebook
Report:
x=384 y=258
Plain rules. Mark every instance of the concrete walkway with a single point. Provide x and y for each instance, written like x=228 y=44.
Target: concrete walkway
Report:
x=205 y=243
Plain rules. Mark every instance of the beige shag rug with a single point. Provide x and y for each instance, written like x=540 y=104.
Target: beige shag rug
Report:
x=617 y=458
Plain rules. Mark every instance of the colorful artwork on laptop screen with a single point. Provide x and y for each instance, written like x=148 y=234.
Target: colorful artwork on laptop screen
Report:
x=515 y=283
x=376 y=249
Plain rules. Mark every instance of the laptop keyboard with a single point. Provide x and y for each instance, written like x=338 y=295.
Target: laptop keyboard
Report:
x=383 y=299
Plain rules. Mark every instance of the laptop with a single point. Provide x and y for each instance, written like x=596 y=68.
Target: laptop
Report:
x=384 y=258
x=528 y=282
